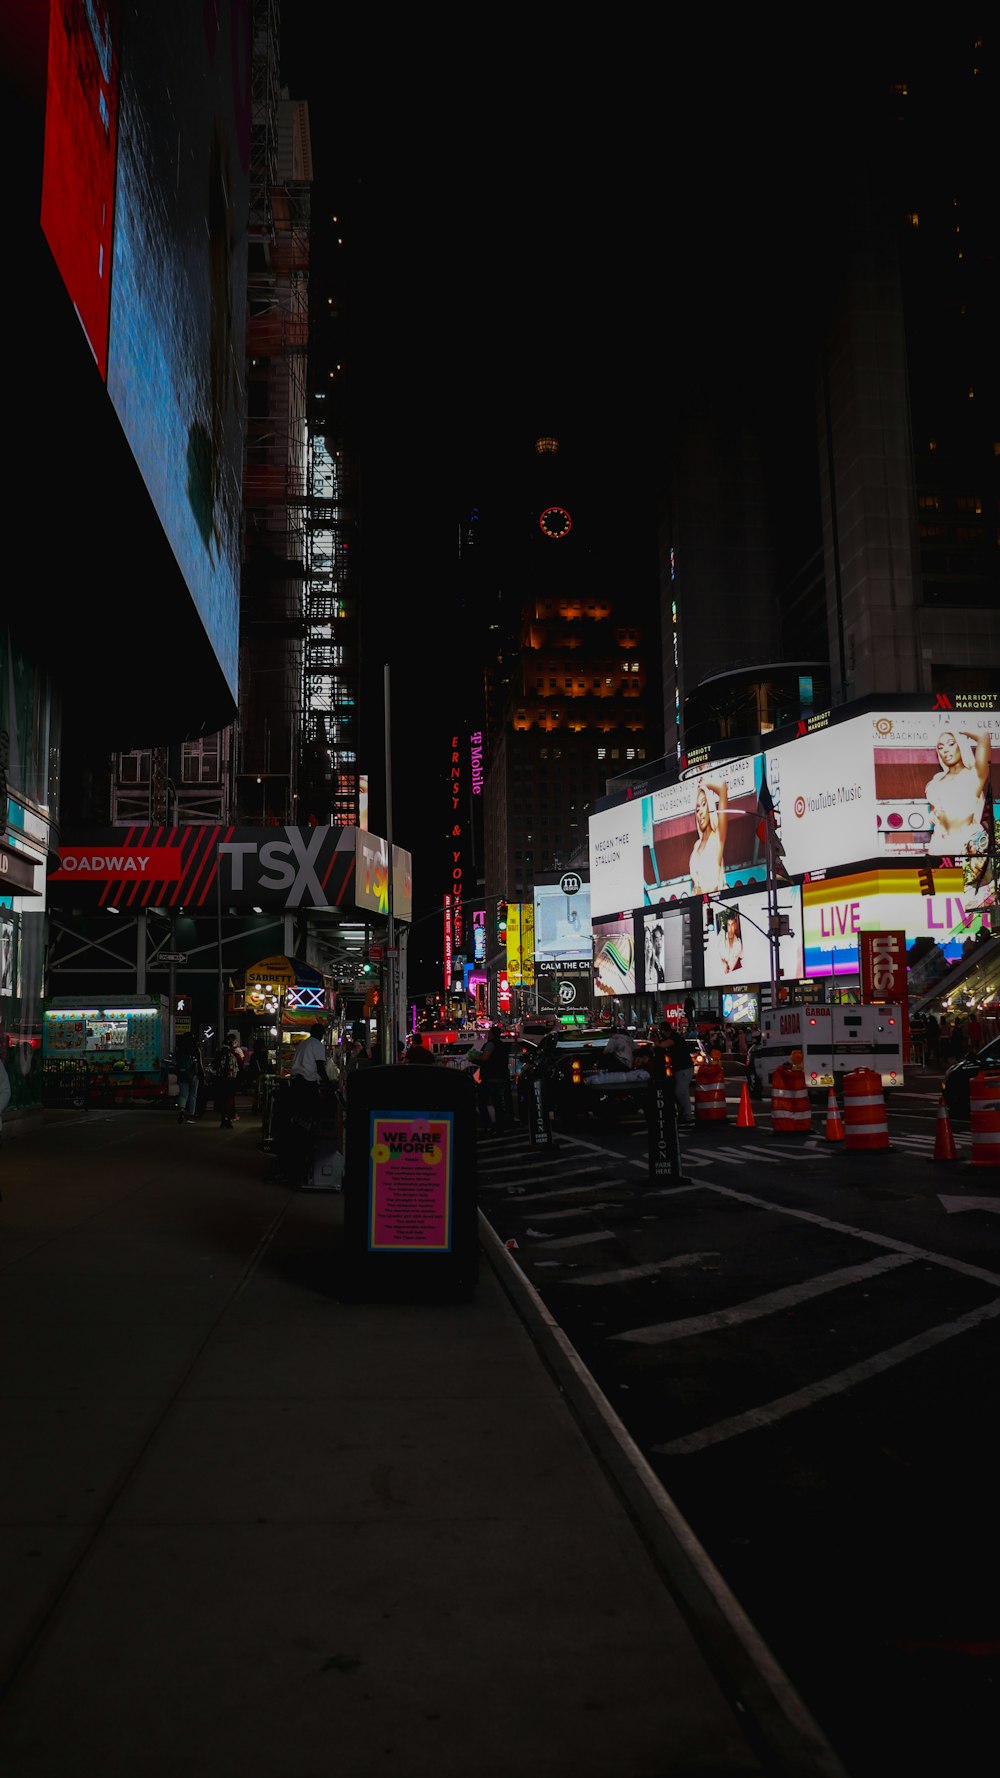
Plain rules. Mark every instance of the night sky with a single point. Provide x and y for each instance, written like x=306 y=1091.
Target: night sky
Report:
x=550 y=232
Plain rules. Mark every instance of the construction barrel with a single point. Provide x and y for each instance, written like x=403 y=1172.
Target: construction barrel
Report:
x=790 y=1111
x=710 y=1094
x=865 y=1125
x=984 y=1109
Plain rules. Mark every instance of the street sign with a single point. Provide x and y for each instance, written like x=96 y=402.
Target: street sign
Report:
x=375 y=953
x=172 y=957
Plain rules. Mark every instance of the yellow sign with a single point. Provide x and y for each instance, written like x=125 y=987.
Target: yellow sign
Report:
x=528 y=943
x=514 y=960
x=274 y=972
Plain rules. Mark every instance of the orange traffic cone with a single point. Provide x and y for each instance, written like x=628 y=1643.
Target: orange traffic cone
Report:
x=745 y=1119
x=944 y=1140
x=834 y=1122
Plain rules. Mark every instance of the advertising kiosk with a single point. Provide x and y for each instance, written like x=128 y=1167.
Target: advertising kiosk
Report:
x=105 y=1050
x=411 y=1220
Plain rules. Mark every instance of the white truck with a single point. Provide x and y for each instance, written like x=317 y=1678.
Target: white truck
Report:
x=831 y=1040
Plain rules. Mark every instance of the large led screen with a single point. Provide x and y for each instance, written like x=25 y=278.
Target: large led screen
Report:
x=836 y=910
x=666 y=950
x=614 y=957
x=700 y=835
x=937 y=781
x=562 y=921
x=737 y=946
x=371 y=876
x=616 y=849
x=823 y=786
x=145 y=205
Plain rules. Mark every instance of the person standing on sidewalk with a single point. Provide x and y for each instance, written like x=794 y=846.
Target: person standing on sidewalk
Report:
x=681 y=1064
x=494 y=1079
x=4 y=1095
x=228 y=1066
x=190 y=1074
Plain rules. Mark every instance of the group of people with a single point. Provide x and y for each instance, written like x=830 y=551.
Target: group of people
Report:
x=947 y=1040
x=489 y=1061
x=199 y=1082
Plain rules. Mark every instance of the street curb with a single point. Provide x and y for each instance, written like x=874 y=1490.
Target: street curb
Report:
x=783 y=1730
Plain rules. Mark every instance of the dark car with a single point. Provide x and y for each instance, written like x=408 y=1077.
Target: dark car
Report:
x=581 y=1080
x=955 y=1085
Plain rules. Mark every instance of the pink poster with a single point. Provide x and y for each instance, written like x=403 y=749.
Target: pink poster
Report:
x=409 y=1201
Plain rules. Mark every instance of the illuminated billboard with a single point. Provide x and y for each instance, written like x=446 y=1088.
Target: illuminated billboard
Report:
x=937 y=782
x=666 y=950
x=700 y=834
x=920 y=903
x=696 y=837
x=562 y=920
x=616 y=852
x=614 y=957
x=145 y=204
x=737 y=946
x=372 y=876
x=823 y=786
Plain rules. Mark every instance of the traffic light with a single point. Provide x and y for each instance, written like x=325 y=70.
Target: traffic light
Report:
x=502 y=922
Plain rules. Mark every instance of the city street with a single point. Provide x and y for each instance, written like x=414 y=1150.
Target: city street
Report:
x=802 y=1341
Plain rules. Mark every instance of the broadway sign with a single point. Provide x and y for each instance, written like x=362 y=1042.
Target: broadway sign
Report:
x=273 y=868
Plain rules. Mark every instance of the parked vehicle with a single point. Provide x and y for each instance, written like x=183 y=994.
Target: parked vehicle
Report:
x=581 y=1080
x=957 y=1079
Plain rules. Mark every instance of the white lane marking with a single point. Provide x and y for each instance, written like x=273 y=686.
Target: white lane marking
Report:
x=772 y=1411
x=770 y=1304
x=952 y=1204
x=556 y=1170
x=579 y=1240
x=578 y=1191
x=846 y=1228
x=563 y=1215
x=626 y=1274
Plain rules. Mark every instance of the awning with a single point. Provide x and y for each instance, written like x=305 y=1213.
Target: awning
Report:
x=282 y=972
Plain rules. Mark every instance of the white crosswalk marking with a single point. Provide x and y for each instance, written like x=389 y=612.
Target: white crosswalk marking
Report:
x=590 y=1240
x=772 y=1303
x=772 y=1411
x=628 y=1274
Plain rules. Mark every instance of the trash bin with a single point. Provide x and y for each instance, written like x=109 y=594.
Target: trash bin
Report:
x=410 y=1186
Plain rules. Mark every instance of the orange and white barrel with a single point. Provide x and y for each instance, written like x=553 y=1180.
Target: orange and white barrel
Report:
x=710 y=1094
x=865 y=1124
x=790 y=1111
x=984 y=1108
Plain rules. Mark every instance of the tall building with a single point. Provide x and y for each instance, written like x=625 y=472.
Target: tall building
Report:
x=830 y=508
x=572 y=689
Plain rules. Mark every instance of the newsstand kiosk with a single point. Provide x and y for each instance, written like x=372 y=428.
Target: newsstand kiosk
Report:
x=411 y=1227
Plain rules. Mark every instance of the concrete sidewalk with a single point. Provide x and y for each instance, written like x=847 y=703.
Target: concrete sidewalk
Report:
x=248 y=1528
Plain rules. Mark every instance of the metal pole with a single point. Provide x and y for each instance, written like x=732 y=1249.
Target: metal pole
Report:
x=772 y=916
x=220 y=1009
x=390 y=1010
